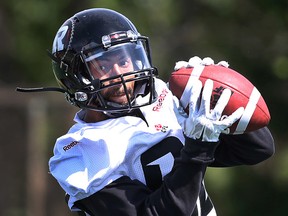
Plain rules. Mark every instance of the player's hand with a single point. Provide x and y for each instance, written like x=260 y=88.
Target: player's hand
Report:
x=203 y=123
x=195 y=61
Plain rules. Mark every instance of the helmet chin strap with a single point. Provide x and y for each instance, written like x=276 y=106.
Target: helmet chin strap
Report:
x=41 y=89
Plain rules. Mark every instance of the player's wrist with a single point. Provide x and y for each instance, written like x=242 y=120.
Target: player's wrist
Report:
x=198 y=151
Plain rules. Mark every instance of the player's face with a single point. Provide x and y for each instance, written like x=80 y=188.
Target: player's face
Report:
x=112 y=65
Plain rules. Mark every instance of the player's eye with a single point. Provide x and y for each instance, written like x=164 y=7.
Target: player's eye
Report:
x=104 y=67
x=124 y=63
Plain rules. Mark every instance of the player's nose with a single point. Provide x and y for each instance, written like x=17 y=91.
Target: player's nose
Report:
x=116 y=70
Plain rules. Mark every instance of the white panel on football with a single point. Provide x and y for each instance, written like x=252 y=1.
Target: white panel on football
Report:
x=196 y=73
x=249 y=110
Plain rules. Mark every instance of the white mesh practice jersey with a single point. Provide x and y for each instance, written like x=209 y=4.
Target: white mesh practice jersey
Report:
x=92 y=155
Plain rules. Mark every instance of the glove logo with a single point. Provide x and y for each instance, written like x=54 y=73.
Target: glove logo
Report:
x=216 y=95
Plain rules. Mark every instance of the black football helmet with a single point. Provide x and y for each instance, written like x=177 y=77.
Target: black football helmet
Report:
x=93 y=34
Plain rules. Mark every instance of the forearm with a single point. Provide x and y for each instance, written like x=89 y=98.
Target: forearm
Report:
x=185 y=181
x=245 y=149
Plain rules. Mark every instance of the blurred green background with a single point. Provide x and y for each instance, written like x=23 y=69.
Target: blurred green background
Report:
x=251 y=35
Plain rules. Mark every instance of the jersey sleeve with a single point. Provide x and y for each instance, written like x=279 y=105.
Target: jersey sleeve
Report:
x=244 y=149
x=77 y=163
x=177 y=195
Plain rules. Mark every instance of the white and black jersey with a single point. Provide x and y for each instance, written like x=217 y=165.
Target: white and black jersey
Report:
x=143 y=165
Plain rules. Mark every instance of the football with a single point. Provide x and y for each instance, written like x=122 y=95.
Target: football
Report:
x=244 y=94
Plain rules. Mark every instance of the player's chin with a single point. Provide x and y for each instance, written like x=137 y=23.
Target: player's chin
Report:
x=120 y=99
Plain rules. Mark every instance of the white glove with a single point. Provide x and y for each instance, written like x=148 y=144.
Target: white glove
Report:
x=205 y=123
x=194 y=61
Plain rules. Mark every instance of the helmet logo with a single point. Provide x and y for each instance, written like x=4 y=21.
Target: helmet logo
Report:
x=58 y=44
x=107 y=40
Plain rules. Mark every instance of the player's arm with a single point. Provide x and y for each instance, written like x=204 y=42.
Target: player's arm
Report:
x=176 y=196
x=244 y=149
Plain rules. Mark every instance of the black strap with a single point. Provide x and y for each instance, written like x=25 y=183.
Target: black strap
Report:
x=53 y=57
x=41 y=89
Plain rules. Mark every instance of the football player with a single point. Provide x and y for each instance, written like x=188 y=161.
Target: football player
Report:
x=132 y=151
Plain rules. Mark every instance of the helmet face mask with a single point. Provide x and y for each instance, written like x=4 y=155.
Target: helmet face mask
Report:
x=119 y=86
x=103 y=63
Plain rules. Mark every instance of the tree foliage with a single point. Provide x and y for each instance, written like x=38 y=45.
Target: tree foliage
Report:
x=251 y=35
